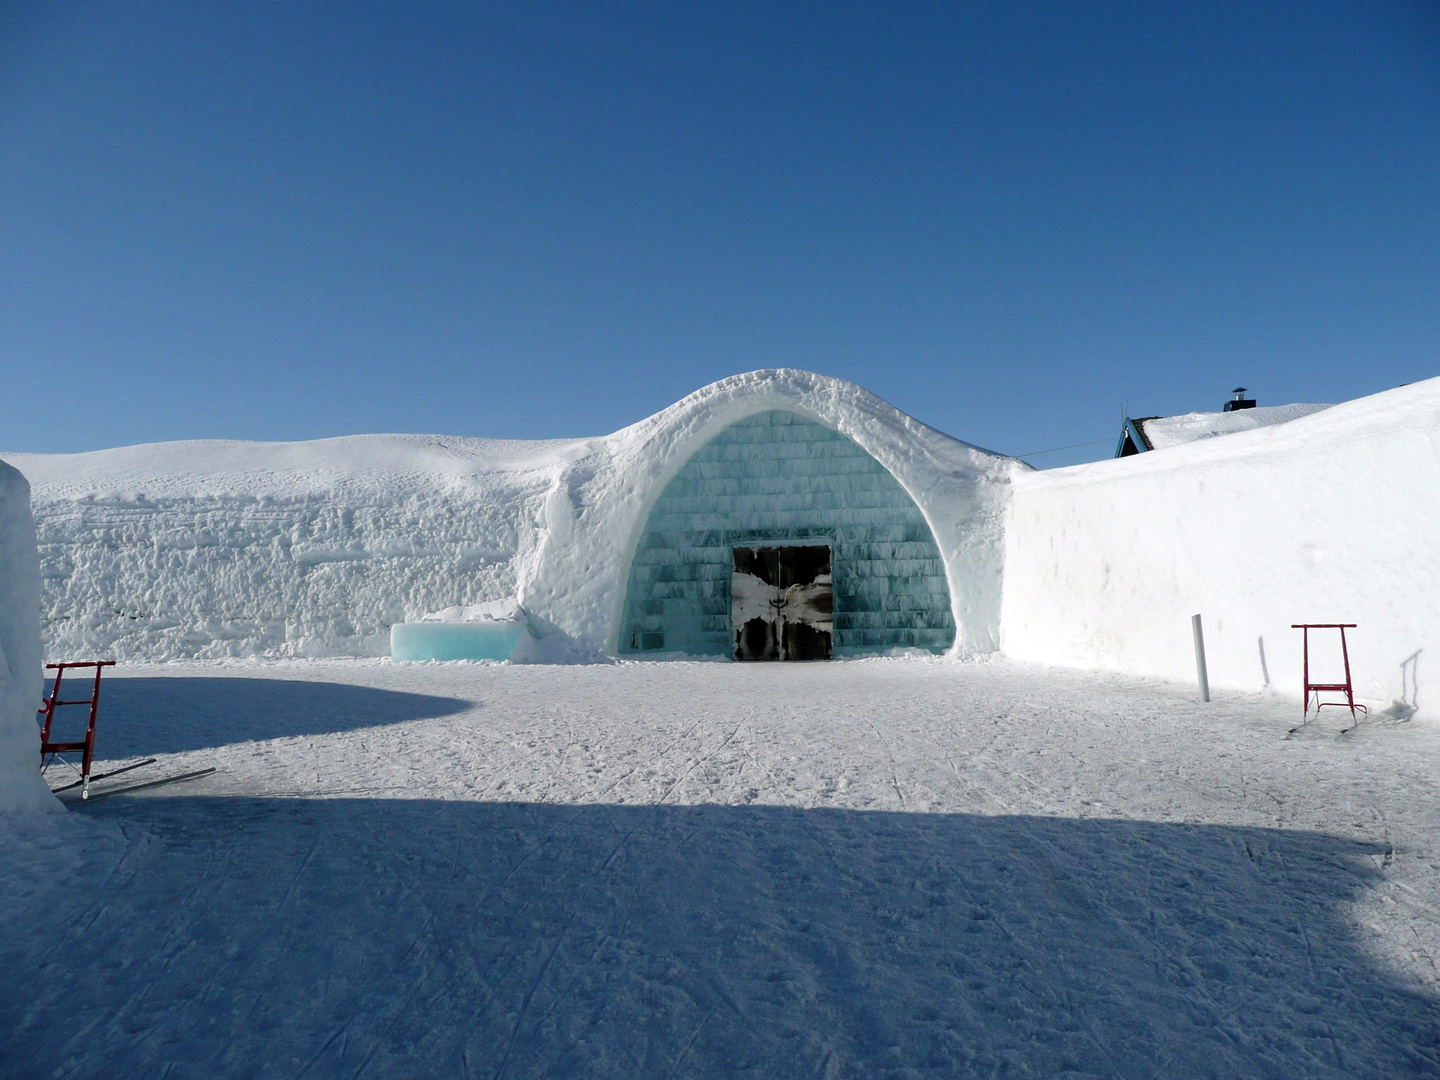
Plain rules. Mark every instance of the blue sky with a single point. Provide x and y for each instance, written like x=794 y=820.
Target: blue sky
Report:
x=297 y=220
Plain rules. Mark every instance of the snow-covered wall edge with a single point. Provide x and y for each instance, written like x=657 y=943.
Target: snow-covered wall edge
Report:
x=21 y=673
x=599 y=502
x=1332 y=517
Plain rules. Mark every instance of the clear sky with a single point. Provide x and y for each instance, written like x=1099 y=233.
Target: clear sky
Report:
x=294 y=220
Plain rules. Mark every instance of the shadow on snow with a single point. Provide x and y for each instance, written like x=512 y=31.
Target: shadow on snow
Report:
x=371 y=938
x=159 y=715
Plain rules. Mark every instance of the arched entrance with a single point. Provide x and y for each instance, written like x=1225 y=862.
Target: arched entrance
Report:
x=778 y=482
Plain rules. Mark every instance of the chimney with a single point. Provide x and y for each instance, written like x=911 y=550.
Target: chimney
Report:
x=1239 y=401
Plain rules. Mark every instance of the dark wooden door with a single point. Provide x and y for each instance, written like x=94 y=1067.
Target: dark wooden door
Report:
x=782 y=603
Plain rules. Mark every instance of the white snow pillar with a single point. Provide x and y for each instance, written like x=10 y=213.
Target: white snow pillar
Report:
x=22 y=678
x=1201 y=672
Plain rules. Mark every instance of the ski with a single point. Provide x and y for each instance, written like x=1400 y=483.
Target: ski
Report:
x=150 y=784
x=103 y=775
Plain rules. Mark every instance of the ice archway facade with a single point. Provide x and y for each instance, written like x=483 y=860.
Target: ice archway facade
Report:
x=771 y=457
x=777 y=480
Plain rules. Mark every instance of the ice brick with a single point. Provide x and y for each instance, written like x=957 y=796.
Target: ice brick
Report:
x=485 y=640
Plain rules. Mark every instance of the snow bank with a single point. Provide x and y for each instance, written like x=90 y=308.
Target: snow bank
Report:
x=213 y=549
x=21 y=674
x=1332 y=517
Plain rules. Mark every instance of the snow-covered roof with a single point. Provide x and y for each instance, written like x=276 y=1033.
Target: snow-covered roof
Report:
x=1165 y=431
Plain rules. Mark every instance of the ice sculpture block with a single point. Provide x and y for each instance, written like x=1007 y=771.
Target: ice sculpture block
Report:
x=487 y=639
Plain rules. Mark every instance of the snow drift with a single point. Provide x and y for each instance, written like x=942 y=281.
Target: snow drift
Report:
x=21 y=674
x=1332 y=517
x=212 y=549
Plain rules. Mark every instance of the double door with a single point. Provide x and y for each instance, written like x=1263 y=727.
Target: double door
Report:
x=782 y=603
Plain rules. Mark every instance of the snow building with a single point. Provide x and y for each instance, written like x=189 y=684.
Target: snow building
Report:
x=776 y=515
x=850 y=528
x=1299 y=513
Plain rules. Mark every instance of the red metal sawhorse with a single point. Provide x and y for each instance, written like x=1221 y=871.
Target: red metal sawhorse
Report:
x=53 y=702
x=1345 y=688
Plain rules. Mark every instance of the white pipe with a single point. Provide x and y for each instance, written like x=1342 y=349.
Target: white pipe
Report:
x=1200 y=671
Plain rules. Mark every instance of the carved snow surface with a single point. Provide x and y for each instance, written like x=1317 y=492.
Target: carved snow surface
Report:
x=231 y=549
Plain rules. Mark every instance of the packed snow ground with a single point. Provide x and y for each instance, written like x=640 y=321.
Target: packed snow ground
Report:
x=867 y=868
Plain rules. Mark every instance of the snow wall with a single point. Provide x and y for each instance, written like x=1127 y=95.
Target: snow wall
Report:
x=1333 y=517
x=232 y=549
x=21 y=673
x=214 y=549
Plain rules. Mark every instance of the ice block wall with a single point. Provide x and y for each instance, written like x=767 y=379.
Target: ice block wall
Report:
x=775 y=477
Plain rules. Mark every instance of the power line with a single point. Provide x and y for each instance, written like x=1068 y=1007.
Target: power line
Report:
x=1056 y=450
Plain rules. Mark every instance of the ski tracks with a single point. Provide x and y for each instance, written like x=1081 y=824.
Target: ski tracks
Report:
x=581 y=902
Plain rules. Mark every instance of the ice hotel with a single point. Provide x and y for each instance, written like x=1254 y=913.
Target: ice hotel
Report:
x=772 y=515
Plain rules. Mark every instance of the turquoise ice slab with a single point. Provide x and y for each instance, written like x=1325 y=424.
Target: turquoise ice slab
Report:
x=410 y=642
x=770 y=479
